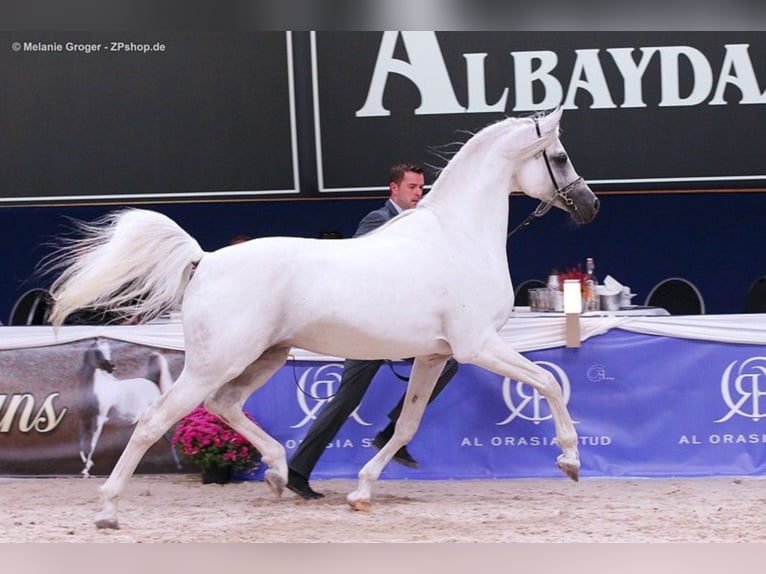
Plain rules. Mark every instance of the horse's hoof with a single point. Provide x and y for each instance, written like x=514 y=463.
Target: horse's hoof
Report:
x=275 y=481
x=572 y=470
x=361 y=504
x=107 y=523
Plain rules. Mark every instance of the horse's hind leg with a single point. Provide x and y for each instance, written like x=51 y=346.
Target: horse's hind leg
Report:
x=227 y=403
x=155 y=421
x=498 y=358
x=425 y=372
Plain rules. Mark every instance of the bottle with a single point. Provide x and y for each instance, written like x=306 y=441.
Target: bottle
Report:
x=555 y=292
x=590 y=284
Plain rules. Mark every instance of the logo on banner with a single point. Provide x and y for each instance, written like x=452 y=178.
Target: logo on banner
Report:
x=597 y=373
x=317 y=386
x=525 y=402
x=743 y=388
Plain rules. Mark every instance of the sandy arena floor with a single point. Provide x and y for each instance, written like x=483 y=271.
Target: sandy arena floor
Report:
x=178 y=508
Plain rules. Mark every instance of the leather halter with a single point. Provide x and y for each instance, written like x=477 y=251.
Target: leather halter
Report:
x=561 y=193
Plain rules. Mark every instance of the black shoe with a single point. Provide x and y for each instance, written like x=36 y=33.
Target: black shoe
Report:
x=401 y=456
x=300 y=486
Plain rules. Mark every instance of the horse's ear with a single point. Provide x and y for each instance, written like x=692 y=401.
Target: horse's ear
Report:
x=550 y=123
x=544 y=131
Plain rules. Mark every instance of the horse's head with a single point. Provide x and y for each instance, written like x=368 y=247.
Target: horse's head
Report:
x=546 y=173
x=100 y=355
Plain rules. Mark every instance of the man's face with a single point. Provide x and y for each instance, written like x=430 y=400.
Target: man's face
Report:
x=407 y=194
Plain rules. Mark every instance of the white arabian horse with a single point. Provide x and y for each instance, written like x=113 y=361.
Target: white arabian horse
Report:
x=432 y=283
x=106 y=399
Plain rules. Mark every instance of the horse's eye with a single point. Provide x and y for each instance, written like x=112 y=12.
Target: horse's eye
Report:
x=560 y=158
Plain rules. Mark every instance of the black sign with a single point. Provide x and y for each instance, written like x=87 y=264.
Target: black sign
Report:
x=130 y=116
x=644 y=110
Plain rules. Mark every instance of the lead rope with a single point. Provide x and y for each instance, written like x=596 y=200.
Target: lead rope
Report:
x=293 y=360
x=539 y=211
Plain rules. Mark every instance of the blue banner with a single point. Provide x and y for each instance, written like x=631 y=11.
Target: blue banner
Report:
x=643 y=406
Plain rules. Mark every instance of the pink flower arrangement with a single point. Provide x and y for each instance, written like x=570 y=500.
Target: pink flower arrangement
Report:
x=575 y=273
x=206 y=441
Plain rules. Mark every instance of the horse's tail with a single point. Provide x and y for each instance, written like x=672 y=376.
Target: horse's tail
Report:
x=132 y=262
x=159 y=371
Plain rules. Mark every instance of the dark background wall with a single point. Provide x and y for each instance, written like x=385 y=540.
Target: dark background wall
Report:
x=214 y=133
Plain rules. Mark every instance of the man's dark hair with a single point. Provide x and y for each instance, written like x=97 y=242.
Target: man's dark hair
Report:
x=398 y=171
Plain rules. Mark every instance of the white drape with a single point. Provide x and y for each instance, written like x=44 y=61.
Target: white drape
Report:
x=521 y=333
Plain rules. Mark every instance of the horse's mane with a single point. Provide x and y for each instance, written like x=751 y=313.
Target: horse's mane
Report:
x=447 y=152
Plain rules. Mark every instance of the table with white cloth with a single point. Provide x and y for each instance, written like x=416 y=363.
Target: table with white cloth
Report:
x=632 y=311
x=650 y=396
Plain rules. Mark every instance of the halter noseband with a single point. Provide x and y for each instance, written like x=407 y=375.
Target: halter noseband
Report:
x=561 y=193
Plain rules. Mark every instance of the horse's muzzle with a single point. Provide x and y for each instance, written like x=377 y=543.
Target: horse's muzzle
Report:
x=585 y=204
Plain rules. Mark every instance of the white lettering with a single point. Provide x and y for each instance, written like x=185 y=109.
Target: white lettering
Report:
x=471 y=442
x=737 y=70
x=632 y=74
x=535 y=441
x=588 y=75
x=477 y=94
x=685 y=77
x=21 y=410
x=525 y=77
x=702 y=76
x=426 y=69
x=340 y=443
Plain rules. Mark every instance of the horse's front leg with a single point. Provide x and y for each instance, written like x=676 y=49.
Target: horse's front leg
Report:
x=425 y=371
x=87 y=442
x=498 y=358
x=88 y=460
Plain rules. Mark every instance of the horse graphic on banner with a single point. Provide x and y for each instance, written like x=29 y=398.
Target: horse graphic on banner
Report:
x=107 y=399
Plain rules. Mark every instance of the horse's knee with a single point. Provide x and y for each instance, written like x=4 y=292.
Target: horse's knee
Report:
x=549 y=387
x=407 y=433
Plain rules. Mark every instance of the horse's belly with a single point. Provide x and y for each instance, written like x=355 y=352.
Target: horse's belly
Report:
x=125 y=400
x=368 y=340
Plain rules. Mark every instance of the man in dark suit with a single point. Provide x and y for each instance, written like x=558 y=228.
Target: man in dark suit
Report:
x=405 y=184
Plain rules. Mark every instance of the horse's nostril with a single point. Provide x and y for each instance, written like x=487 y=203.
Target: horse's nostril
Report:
x=596 y=204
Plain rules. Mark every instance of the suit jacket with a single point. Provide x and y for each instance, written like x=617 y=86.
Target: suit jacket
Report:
x=376 y=218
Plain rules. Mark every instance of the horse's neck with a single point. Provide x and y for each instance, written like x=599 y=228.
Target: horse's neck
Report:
x=471 y=193
x=87 y=372
x=473 y=197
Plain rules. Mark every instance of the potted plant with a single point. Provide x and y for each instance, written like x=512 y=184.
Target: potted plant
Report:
x=213 y=446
